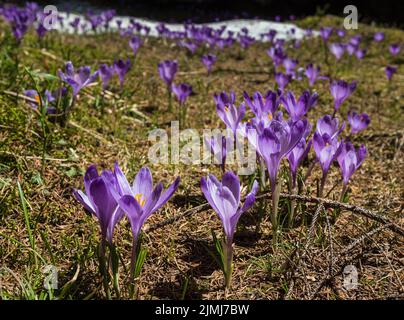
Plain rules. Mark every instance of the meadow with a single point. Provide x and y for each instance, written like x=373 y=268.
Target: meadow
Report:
x=300 y=250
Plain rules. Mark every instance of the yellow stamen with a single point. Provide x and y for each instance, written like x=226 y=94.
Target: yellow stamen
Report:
x=226 y=109
x=140 y=198
x=270 y=116
x=37 y=98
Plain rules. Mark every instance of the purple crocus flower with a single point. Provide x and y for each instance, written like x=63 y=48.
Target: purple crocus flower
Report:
x=326 y=32
x=395 y=49
x=98 y=200
x=223 y=99
x=106 y=72
x=312 y=73
x=224 y=197
x=182 y=91
x=217 y=145
x=360 y=53
x=167 y=70
x=341 y=90
x=327 y=149
x=290 y=66
x=328 y=126
x=356 y=40
x=276 y=141
x=191 y=46
x=341 y=33
x=298 y=108
x=378 y=36
x=135 y=43
x=140 y=200
x=349 y=160
x=231 y=115
x=261 y=108
x=390 y=71
x=358 y=122
x=208 y=60
x=337 y=49
x=350 y=48
x=121 y=68
x=77 y=80
x=282 y=80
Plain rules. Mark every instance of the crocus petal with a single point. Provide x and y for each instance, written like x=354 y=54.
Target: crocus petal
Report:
x=167 y=194
x=143 y=183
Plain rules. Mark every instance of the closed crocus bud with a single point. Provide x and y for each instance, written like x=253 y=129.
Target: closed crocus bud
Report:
x=167 y=70
x=341 y=90
x=182 y=91
x=395 y=49
x=337 y=49
x=349 y=160
x=390 y=71
x=378 y=36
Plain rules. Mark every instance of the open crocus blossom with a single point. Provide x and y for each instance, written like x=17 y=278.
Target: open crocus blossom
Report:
x=326 y=32
x=99 y=201
x=349 y=160
x=208 y=60
x=261 y=108
x=224 y=197
x=223 y=99
x=77 y=80
x=167 y=70
x=121 y=68
x=298 y=109
x=358 y=122
x=217 y=145
x=341 y=90
x=312 y=73
x=140 y=200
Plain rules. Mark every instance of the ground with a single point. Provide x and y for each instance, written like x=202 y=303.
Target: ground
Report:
x=55 y=229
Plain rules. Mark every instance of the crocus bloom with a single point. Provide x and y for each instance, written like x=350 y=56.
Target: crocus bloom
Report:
x=358 y=122
x=231 y=115
x=106 y=72
x=208 y=60
x=217 y=145
x=326 y=149
x=182 y=91
x=99 y=201
x=390 y=71
x=261 y=108
x=167 y=70
x=337 y=49
x=298 y=109
x=341 y=33
x=312 y=73
x=135 y=43
x=224 y=197
x=328 y=126
x=378 y=36
x=395 y=49
x=140 y=200
x=290 y=65
x=326 y=32
x=341 y=90
x=360 y=53
x=349 y=160
x=276 y=141
x=282 y=80
x=192 y=47
x=49 y=97
x=121 y=68
x=350 y=48
x=77 y=80
x=223 y=99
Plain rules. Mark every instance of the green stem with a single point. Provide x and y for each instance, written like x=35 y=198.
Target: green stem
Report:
x=275 y=190
x=103 y=268
x=132 y=286
x=228 y=267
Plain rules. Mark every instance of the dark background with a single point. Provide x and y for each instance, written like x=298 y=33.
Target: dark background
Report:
x=386 y=12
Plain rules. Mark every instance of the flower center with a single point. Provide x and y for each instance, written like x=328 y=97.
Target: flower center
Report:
x=270 y=117
x=37 y=98
x=226 y=108
x=140 y=198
